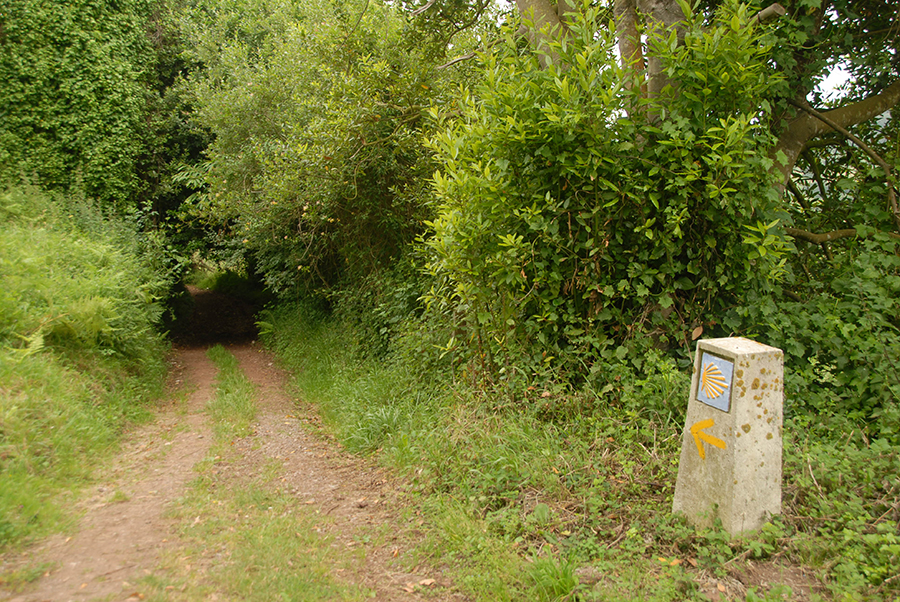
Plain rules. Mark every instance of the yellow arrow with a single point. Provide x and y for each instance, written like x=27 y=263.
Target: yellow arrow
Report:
x=700 y=436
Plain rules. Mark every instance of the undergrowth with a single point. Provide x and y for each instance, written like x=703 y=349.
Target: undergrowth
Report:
x=524 y=497
x=79 y=353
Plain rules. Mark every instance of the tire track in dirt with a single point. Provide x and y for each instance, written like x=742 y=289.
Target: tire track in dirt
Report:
x=124 y=530
x=123 y=527
x=358 y=496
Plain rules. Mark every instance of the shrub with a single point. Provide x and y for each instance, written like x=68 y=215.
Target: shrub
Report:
x=574 y=225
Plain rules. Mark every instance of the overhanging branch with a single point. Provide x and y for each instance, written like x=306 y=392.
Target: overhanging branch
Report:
x=805 y=127
x=458 y=59
x=818 y=239
x=892 y=197
x=773 y=11
x=421 y=10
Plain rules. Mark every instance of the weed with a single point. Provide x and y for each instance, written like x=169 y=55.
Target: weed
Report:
x=118 y=496
x=554 y=580
x=15 y=580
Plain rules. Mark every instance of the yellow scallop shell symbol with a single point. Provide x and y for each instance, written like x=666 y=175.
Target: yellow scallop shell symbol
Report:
x=711 y=381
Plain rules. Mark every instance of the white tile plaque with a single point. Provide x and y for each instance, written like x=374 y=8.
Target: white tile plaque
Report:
x=714 y=384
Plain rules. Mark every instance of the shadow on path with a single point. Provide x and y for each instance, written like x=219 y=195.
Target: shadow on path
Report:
x=216 y=318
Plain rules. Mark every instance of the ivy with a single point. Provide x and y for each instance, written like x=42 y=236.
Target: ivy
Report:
x=73 y=94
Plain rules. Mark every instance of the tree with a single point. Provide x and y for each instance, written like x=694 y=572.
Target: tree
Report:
x=72 y=95
x=622 y=182
x=811 y=37
x=87 y=100
x=317 y=167
x=579 y=214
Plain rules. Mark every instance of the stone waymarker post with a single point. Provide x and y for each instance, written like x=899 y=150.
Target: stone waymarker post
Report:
x=730 y=464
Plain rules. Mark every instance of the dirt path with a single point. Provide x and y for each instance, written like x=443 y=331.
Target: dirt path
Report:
x=126 y=526
x=358 y=496
x=123 y=529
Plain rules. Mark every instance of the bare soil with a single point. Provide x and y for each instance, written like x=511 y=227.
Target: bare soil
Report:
x=124 y=530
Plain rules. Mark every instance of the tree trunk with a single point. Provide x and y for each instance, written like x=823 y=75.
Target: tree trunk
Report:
x=547 y=24
x=631 y=52
x=662 y=17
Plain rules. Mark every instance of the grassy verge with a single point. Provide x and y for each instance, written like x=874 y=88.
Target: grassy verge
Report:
x=526 y=506
x=233 y=408
x=246 y=540
x=79 y=356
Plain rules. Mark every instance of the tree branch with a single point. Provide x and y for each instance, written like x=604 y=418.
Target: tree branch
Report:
x=421 y=10
x=458 y=59
x=805 y=127
x=797 y=194
x=818 y=239
x=892 y=197
x=817 y=173
x=773 y=11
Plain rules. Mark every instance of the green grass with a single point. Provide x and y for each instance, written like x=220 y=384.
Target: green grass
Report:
x=79 y=359
x=233 y=407
x=249 y=541
x=16 y=580
x=519 y=498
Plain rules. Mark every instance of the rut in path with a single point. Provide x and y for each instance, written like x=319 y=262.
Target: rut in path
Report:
x=118 y=542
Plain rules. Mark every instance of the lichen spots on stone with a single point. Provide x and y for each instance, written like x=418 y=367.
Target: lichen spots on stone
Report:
x=769 y=435
x=746 y=428
x=755 y=384
x=739 y=374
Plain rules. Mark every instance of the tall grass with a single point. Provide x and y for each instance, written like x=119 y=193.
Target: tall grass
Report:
x=520 y=491
x=79 y=353
x=484 y=470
